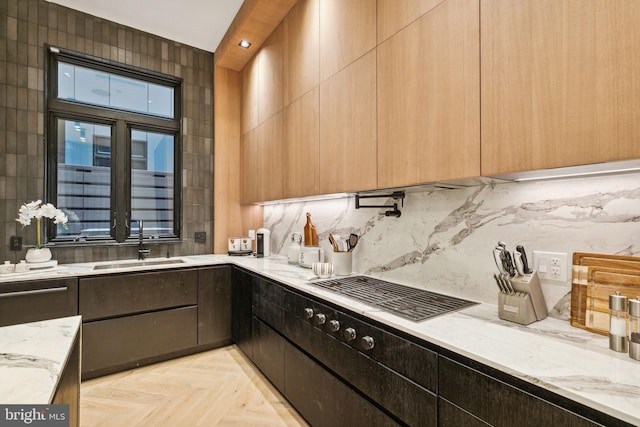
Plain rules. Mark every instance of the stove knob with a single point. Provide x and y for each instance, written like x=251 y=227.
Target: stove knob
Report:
x=320 y=319
x=367 y=342
x=350 y=334
x=308 y=313
x=333 y=326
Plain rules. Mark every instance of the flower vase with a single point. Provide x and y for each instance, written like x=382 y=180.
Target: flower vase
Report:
x=35 y=255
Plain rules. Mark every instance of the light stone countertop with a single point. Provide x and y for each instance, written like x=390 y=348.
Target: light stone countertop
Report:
x=551 y=354
x=33 y=357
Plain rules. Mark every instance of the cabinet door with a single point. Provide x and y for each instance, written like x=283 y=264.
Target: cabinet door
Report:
x=271 y=159
x=214 y=305
x=394 y=15
x=241 y=309
x=22 y=302
x=347 y=32
x=302 y=133
x=348 y=128
x=249 y=167
x=268 y=353
x=560 y=85
x=429 y=98
x=500 y=404
x=301 y=49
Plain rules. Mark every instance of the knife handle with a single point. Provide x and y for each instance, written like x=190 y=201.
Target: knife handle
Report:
x=525 y=262
x=517 y=256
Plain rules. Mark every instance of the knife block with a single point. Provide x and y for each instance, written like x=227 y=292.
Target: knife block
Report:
x=527 y=305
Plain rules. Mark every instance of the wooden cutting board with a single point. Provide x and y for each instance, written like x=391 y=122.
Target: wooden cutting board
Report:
x=579 y=280
x=602 y=283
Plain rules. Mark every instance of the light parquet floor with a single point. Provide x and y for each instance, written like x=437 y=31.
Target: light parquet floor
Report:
x=215 y=388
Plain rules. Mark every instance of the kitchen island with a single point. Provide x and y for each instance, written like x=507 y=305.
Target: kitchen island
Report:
x=39 y=363
x=549 y=355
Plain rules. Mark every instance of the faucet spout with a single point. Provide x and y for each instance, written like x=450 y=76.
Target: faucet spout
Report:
x=143 y=252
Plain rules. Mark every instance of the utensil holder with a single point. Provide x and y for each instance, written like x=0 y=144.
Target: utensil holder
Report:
x=527 y=304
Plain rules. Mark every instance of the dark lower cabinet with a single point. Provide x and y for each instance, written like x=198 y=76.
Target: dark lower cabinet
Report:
x=242 y=310
x=268 y=353
x=214 y=305
x=125 y=342
x=469 y=397
x=324 y=400
x=35 y=300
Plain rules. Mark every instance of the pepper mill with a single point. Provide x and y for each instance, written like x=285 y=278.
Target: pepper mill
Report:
x=618 y=323
x=634 y=328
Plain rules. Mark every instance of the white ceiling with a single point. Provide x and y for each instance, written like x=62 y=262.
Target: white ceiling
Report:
x=198 y=23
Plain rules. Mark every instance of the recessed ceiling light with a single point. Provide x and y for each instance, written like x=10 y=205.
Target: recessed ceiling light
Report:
x=244 y=44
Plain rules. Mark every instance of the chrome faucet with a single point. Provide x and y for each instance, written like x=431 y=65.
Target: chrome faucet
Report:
x=143 y=252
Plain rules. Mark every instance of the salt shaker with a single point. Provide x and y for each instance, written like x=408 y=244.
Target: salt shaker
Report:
x=634 y=328
x=618 y=323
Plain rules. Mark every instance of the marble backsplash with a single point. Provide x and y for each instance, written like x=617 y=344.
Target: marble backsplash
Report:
x=444 y=238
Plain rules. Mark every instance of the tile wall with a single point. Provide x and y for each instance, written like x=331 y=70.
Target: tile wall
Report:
x=25 y=27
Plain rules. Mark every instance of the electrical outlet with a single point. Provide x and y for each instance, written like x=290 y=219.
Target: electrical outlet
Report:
x=200 y=237
x=551 y=265
x=15 y=243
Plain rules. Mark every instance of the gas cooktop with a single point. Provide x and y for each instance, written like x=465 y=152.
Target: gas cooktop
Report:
x=404 y=301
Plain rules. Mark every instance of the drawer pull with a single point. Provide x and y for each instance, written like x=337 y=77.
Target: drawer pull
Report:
x=33 y=292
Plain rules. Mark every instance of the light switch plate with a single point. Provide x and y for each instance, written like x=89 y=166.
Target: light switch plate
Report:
x=200 y=237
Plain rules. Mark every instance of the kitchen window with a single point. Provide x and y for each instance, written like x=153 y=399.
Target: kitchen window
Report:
x=113 y=149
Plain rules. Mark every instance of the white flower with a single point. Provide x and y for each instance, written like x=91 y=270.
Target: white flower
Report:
x=28 y=211
x=37 y=210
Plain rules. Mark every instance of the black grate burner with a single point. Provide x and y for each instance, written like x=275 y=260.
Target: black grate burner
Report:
x=404 y=301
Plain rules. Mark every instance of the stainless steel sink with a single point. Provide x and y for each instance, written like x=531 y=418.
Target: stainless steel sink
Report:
x=126 y=264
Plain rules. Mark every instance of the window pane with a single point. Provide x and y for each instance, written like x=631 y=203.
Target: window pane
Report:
x=129 y=94
x=84 y=178
x=152 y=178
x=91 y=86
x=66 y=79
x=81 y=84
x=160 y=100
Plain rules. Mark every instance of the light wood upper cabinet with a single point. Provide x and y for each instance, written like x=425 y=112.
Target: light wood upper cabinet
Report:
x=270 y=76
x=429 y=99
x=348 y=128
x=301 y=49
x=394 y=15
x=560 y=83
x=250 y=90
x=249 y=166
x=347 y=31
x=271 y=158
x=302 y=150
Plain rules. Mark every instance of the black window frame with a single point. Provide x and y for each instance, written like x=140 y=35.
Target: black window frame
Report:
x=121 y=122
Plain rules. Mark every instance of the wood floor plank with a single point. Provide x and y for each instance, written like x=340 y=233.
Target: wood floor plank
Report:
x=216 y=388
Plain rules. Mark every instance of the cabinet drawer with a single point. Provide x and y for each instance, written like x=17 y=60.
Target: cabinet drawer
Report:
x=324 y=400
x=116 y=295
x=33 y=301
x=121 y=342
x=498 y=403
